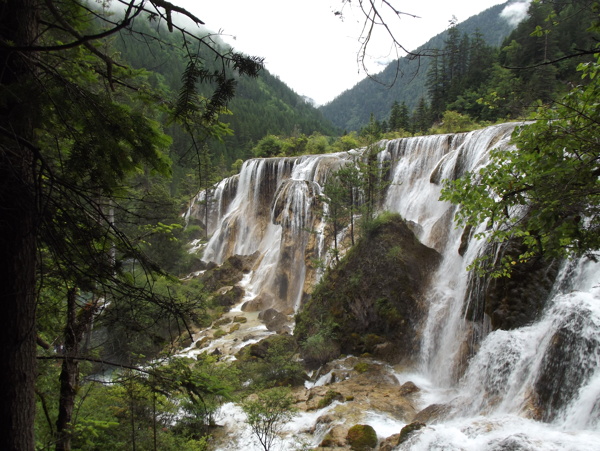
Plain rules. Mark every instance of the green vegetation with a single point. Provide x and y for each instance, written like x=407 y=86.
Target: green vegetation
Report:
x=368 y=302
x=361 y=367
x=267 y=412
x=101 y=147
x=272 y=362
x=138 y=410
x=545 y=193
x=329 y=398
x=484 y=78
x=362 y=437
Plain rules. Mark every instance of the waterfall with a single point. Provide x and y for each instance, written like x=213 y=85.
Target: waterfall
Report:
x=537 y=384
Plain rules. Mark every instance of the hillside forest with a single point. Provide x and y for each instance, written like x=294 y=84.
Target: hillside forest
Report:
x=111 y=120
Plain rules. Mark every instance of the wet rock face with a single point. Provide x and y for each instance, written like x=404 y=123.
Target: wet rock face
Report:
x=433 y=413
x=229 y=296
x=229 y=273
x=373 y=296
x=408 y=430
x=516 y=301
x=565 y=366
x=274 y=320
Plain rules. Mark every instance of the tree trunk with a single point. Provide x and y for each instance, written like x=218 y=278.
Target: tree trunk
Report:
x=76 y=326
x=18 y=207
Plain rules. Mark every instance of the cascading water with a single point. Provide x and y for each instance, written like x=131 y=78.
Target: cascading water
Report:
x=533 y=387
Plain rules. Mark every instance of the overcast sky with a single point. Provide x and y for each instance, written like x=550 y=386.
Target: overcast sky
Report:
x=310 y=48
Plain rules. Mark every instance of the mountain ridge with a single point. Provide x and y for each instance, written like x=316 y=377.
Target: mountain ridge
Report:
x=351 y=109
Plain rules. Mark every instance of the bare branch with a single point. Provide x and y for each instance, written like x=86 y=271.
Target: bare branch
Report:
x=375 y=14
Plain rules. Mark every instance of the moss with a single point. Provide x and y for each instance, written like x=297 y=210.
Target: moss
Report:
x=240 y=319
x=361 y=367
x=408 y=430
x=219 y=333
x=221 y=322
x=361 y=437
x=200 y=343
x=371 y=297
x=395 y=253
x=330 y=396
x=328 y=441
x=235 y=327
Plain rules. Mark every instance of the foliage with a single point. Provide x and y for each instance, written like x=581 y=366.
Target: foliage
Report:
x=545 y=192
x=105 y=415
x=405 y=82
x=268 y=146
x=268 y=412
x=481 y=67
x=272 y=362
x=347 y=142
x=320 y=345
x=204 y=384
x=453 y=122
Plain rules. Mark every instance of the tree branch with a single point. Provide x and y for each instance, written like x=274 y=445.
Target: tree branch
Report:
x=551 y=62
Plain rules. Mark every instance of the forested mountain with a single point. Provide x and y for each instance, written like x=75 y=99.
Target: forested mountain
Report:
x=352 y=109
x=107 y=127
x=262 y=105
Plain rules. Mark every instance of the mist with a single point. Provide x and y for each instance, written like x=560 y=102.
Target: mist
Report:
x=515 y=12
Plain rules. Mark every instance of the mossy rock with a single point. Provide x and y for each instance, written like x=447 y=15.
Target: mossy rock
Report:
x=221 y=322
x=240 y=319
x=371 y=301
x=361 y=367
x=409 y=429
x=200 y=343
x=330 y=396
x=327 y=442
x=219 y=333
x=362 y=437
x=235 y=327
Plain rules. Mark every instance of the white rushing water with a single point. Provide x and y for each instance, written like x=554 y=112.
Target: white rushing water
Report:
x=532 y=388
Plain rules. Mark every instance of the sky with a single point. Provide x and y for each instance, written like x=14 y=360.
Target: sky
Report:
x=314 y=51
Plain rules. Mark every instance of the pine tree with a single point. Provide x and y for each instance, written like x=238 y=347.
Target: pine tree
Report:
x=70 y=137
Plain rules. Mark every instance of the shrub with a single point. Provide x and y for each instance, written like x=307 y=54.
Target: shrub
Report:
x=268 y=412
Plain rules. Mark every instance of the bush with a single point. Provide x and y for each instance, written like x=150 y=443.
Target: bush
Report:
x=453 y=122
x=272 y=362
x=268 y=412
x=320 y=348
x=269 y=146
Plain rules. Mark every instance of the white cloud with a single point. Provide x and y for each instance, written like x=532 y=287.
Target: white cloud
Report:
x=516 y=12
x=311 y=49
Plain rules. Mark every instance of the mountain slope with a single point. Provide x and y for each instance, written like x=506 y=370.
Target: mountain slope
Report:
x=261 y=105
x=351 y=110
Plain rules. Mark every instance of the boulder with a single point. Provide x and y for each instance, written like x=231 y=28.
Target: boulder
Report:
x=373 y=296
x=362 y=437
x=274 y=320
x=409 y=429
